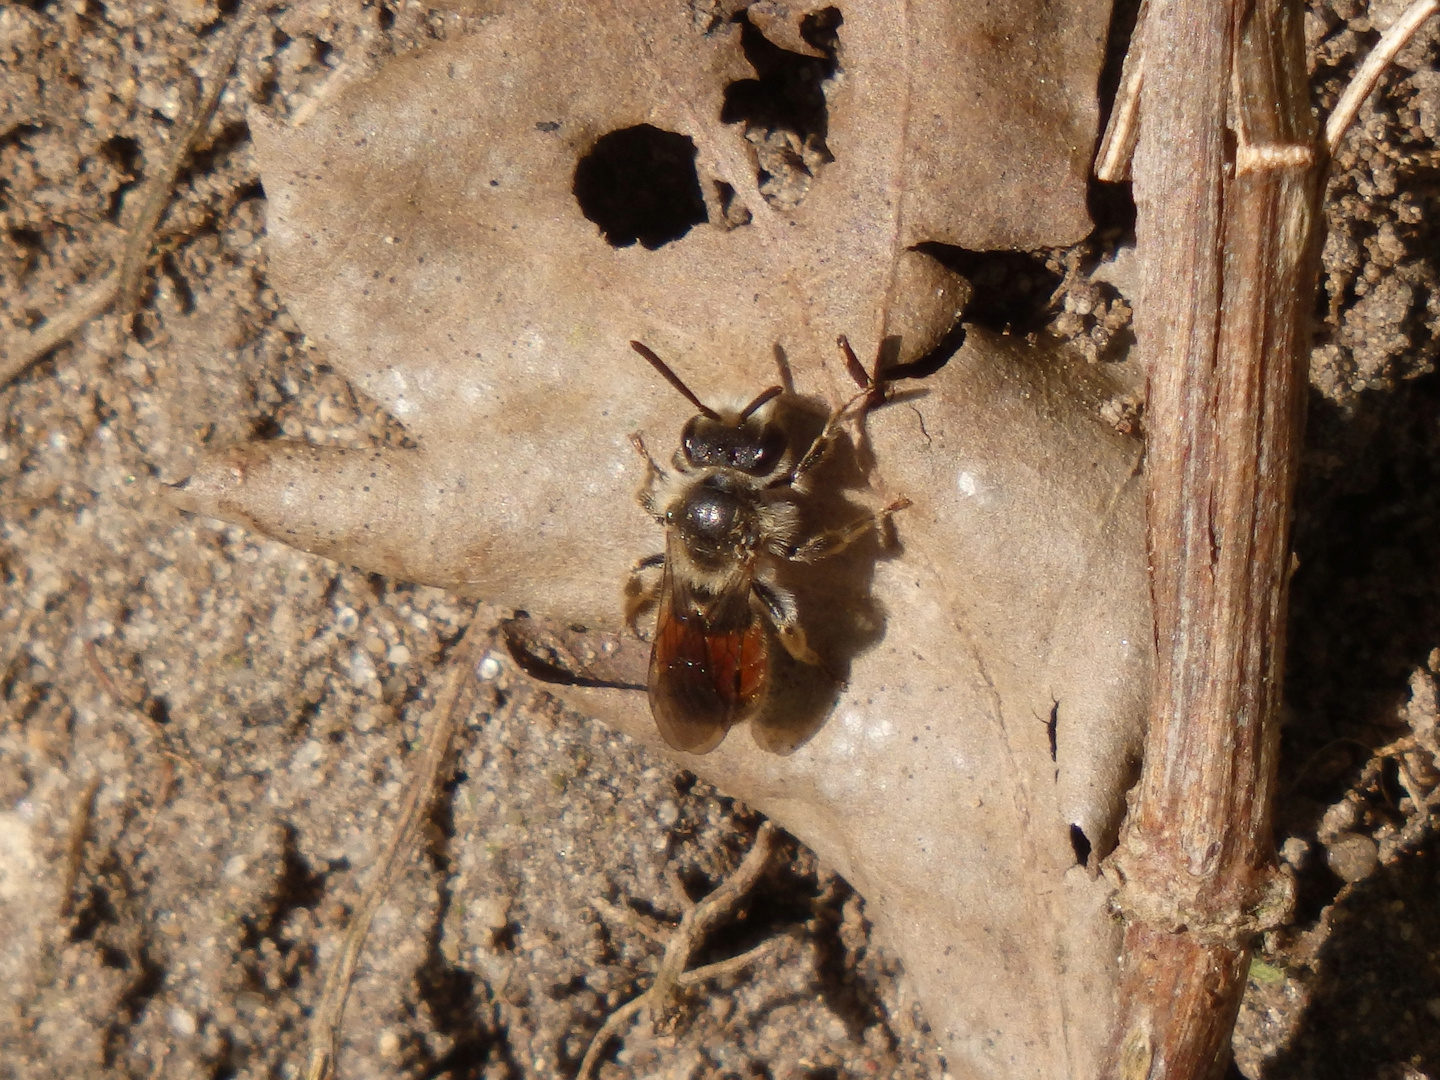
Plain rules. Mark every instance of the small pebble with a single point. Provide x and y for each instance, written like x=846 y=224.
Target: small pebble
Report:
x=492 y=912
x=362 y=669
x=1338 y=818
x=308 y=756
x=1294 y=851
x=388 y=1044
x=1352 y=857
x=182 y=1022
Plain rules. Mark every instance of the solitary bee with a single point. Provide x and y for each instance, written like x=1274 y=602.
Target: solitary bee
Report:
x=732 y=515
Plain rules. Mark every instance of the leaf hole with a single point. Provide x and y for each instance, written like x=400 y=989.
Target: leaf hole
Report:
x=158 y=709
x=184 y=294
x=1012 y=289
x=639 y=185
x=784 y=109
x=732 y=214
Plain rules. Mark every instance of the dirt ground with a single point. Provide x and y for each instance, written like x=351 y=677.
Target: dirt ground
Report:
x=204 y=735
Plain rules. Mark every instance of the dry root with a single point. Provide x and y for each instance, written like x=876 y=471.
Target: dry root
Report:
x=123 y=283
x=442 y=721
x=698 y=920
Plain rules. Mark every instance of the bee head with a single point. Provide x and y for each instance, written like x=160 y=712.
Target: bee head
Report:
x=746 y=443
x=730 y=440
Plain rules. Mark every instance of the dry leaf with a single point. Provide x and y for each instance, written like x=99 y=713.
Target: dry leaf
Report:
x=425 y=231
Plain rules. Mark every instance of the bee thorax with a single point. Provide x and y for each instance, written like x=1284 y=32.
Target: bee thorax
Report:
x=715 y=522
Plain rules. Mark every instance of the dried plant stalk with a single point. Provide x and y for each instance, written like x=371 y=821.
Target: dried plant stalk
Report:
x=1227 y=177
x=23 y=348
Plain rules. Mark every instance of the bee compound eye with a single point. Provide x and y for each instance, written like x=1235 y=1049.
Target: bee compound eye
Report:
x=688 y=442
x=761 y=453
x=701 y=440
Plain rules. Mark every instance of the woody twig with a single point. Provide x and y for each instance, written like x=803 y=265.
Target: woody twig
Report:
x=1227 y=174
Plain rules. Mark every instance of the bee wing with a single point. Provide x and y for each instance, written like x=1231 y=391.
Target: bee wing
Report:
x=704 y=675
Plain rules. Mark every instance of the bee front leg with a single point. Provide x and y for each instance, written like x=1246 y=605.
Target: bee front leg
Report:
x=779 y=607
x=642 y=591
x=872 y=389
x=818 y=451
x=654 y=475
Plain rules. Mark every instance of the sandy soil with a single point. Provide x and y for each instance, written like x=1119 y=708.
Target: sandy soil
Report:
x=204 y=735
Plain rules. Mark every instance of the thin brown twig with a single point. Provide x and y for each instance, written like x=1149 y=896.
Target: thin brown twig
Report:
x=699 y=919
x=721 y=968
x=442 y=721
x=1368 y=74
x=123 y=282
x=168 y=758
x=25 y=348
x=1419 y=797
x=92 y=657
x=81 y=812
x=687 y=980
x=612 y=1027
x=615 y=913
x=1117 y=146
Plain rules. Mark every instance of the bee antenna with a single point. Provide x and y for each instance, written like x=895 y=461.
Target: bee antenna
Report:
x=674 y=380
x=765 y=395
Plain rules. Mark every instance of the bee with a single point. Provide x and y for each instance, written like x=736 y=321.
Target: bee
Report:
x=732 y=509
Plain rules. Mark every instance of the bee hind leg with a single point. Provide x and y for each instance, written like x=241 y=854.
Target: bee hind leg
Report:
x=833 y=541
x=642 y=590
x=779 y=607
x=818 y=451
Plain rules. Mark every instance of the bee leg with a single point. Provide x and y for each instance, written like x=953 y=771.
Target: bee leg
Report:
x=654 y=474
x=832 y=541
x=641 y=594
x=863 y=379
x=818 y=451
x=779 y=607
x=871 y=390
